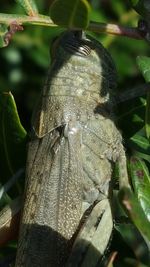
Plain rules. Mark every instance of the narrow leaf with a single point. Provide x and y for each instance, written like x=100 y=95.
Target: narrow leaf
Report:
x=140 y=143
x=134 y=210
x=144 y=66
x=134 y=240
x=29 y=6
x=12 y=137
x=141 y=182
x=74 y=14
x=142 y=156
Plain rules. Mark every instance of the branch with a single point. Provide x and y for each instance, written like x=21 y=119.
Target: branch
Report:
x=115 y=30
x=93 y=26
x=25 y=20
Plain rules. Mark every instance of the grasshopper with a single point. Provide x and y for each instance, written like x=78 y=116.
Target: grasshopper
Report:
x=67 y=216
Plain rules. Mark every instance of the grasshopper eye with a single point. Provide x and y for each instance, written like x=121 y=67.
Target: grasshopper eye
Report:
x=74 y=42
x=78 y=47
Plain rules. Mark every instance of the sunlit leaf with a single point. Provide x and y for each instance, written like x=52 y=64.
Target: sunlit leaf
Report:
x=142 y=156
x=140 y=143
x=144 y=65
x=135 y=211
x=29 y=6
x=141 y=182
x=72 y=14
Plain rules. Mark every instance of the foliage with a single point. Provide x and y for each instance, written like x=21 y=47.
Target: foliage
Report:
x=76 y=13
x=24 y=63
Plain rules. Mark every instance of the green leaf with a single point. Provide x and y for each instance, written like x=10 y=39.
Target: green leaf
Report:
x=72 y=14
x=140 y=143
x=133 y=240
x=141 y=182
x=29 y=6
x=142 y=156
x=3 y=31
x=144 y=66
x=134 y=2
x=134 y=210
x=12 y=137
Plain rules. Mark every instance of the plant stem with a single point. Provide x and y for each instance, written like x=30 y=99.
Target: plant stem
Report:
x=24 y=19
x=93 y=26
x=115 y=29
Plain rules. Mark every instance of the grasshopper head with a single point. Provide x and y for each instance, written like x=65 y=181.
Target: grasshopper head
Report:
x=89 y=61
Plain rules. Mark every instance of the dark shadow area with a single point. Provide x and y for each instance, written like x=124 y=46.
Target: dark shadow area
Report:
x=47 y=246
x=8 y=261
x=104 y=109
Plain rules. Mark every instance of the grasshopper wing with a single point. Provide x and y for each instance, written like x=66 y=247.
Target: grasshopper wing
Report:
x=52 y=198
